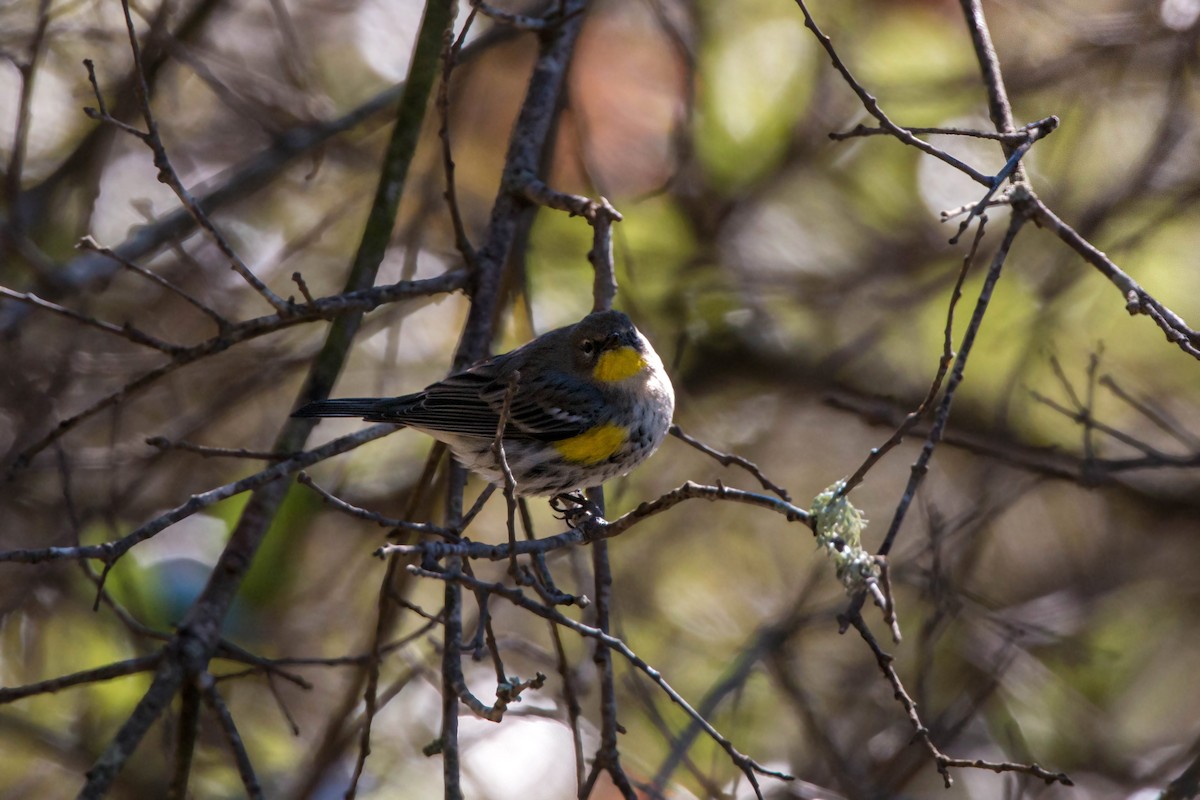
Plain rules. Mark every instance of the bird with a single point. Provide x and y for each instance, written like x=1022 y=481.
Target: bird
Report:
x=582 y=404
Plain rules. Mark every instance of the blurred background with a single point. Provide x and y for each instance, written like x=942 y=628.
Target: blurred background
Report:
x=797 y=288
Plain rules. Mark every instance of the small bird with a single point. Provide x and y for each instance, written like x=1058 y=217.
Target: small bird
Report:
x=586 y=403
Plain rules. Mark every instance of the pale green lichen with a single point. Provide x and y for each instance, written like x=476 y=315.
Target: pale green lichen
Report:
x=839 y=526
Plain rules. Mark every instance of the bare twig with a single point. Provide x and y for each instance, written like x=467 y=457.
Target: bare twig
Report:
x=167 y=174
x=515 y=597
x=768 y=640
x=163 y=443
x=1014 y=137
x=1158 y=416
x=871 y=104
x=592 y=528
x=943 y=762
x=185 y=740
x=370 y=516
x=89 y=244
x=510 y=483
x=935 y=386
x=1084 y=416
x=1011 y=166
x=109 y=552
x=539 y=575
x=370 y=692
x=608 y=754
x=451 y=49
x=298 y=279
x=117 y=669
x=1137 y=299
x=27 y=69
x=570 y=699
x=127 y=331
x=730 y=459
x=942 y=415
x=1038 y=460
x=325 y=308
x=531 y=135
x=604 y=285
x=245 y=769
x=993 y=80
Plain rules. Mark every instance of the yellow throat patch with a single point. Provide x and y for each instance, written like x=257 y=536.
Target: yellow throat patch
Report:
x=617 y=365
x=593 y=446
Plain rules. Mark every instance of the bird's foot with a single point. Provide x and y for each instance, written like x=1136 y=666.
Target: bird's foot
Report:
x=574 y=508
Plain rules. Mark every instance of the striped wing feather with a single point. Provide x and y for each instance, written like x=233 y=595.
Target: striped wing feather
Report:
x=470 y=403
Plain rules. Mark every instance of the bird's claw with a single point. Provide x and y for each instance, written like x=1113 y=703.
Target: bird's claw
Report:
x=574 y=508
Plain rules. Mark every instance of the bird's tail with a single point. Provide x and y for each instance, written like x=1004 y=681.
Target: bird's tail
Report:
x=345 y=407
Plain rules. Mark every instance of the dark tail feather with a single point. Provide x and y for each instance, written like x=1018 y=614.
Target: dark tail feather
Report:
x=346 y=407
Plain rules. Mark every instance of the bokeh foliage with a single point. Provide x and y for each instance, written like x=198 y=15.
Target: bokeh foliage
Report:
x=795 y=285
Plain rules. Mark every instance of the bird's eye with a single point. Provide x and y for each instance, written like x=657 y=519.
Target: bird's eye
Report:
x=588 y=347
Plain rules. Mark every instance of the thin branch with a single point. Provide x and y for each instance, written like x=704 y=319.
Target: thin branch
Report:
x=1011 y=167
x=167 y=174
x=371 y=516
x=943 y=762
x=570 y=699
x=576 y=205
x=127 y=331
x=1157 y=416
x=510 y=483
x=530 y=138
x=373 y=664
x=604 y=283
x=109 y=552
x=947 y=357
x=27 y=69
x=768 y=639
x=871 y=104
x=950 y=213
x=1038 y=460
x=329 y=308
x=118 y=669
x=185 y=742
x=452 y=49
x=515 y=597
x=985 y=52
x=1137 y=299
x=204 y=451
x=540 y=577
x=1013 y=137
x=528 y=145
x=942 y=415
x=89 y=244
x=608 y=753
x=592 y=528
x=237 y=747
x=1084 y=417
x=730 y=459
x=452 y=680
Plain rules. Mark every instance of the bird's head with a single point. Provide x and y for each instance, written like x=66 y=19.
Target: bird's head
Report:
x=608 y=346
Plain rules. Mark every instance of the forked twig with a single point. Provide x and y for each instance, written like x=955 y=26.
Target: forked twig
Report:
x=730 y=459
x=947 y=358
x=166 y=172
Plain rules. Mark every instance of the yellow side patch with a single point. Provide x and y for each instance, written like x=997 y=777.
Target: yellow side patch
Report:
x=594 y=446
x=617 y=365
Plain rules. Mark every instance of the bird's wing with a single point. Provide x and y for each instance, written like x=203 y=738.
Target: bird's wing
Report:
x=470 y=404
x=552 y=408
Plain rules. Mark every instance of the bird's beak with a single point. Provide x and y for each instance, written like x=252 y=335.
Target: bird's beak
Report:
x=616 y=341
